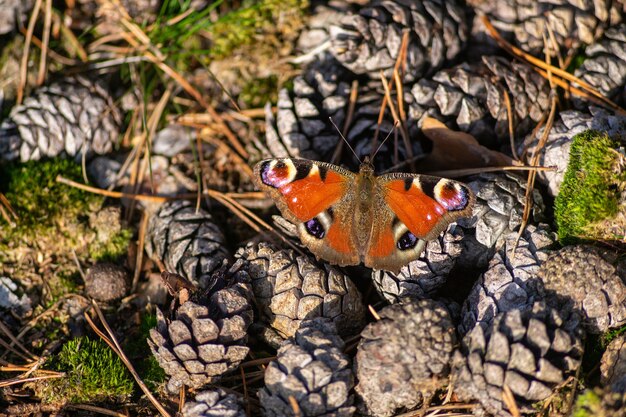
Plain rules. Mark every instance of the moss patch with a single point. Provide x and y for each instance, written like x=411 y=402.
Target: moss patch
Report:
x=588 y=404
x=93 y=374
x=138 y=351
x=591 y=190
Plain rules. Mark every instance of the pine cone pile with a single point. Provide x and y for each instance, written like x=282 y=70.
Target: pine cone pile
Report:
x=290 y=288
x=214 y=403
x=404 y=357
x=530 y=351
x=510 y=281
x=73 y=116
x=187 y=241
x=311 y=370
x=579 y=278
x=369 y=42
x=207 y=335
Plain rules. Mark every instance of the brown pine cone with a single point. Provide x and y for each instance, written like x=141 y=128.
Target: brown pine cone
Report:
x=573 y=23
x=511 y=280
x=206 y=335
x=530 y=351
x=311 y=369
x=214 y=402
x=369 y=41
x=470 y=97
x=578 y=278
x=605 y=66
x=69 y=117
x=289 y=288
x=187 y=241
x=613 y=365
x=404 y=357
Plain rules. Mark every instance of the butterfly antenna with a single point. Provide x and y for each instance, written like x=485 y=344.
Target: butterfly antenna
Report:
x=345 y=140
x=395 y=125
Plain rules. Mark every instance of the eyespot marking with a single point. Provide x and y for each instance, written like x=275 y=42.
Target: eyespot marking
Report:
x=277 y=173
x=407 y=241
x=315 y=228
x=453 y=196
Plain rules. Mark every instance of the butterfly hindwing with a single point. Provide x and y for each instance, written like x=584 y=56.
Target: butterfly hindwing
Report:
x=316 y=196
x=412 y=209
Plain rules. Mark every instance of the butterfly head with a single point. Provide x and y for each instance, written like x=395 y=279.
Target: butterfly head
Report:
x=366 y=166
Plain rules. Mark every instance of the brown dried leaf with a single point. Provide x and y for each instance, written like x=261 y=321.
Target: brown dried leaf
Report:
x=455 y=150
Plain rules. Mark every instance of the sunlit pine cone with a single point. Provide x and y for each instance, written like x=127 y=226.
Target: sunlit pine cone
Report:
x=470 y=97
x=310 y=369
x=68 y=117
x=187 y=241
x=369 y=41
x=573 y=23
x=530 y=351
x=12 y=11
x=579 y=278
x=289 y=288
x=214 y=402
x=423 y=276
x=404 y=357
x=510 y=282
x=604 y=67
x=567 y=125
x=206 y=335
x=613 y=365
x=498 y=211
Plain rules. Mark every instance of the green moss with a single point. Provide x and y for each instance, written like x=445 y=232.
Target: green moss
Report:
x=38 y=199
x=113 y=249
x=257 y=92
x=136 y=347
x=60 y=285
x=93 y=374
x=242 y=26
x=589 y=193
x=588 y=404
x=612 y=334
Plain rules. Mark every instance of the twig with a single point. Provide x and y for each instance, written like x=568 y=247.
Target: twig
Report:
x=43 y=60
x=140 y=247
x=24 y=62
x=111 y=340
x=95 y=409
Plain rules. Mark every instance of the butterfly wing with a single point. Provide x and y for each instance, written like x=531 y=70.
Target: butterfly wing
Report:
x=317 y=196
x=411 y=210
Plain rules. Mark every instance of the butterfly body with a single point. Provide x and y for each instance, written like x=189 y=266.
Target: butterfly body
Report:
x=347 y=218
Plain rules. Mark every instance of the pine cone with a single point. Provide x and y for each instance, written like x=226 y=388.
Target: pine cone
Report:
x=186 y=241
x=605 y=66
x=499 y=207
x=12 y=11
x=422 y=277
x=214 y=402
x=72 y=117
x=302 y=127
x=369 y=41
x=207 y=335
x=613 y=365
x=510 y=282
x=571 y=123
x=470 y=97
x=579 y=278
x=531 y=351
x=572 y=22
x=311 y=369
x=289 y=288
x=404 y=357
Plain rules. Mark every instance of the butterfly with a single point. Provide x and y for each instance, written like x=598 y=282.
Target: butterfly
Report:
x=347 y=218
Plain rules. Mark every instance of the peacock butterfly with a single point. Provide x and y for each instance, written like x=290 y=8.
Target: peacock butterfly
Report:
x=347 y=218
